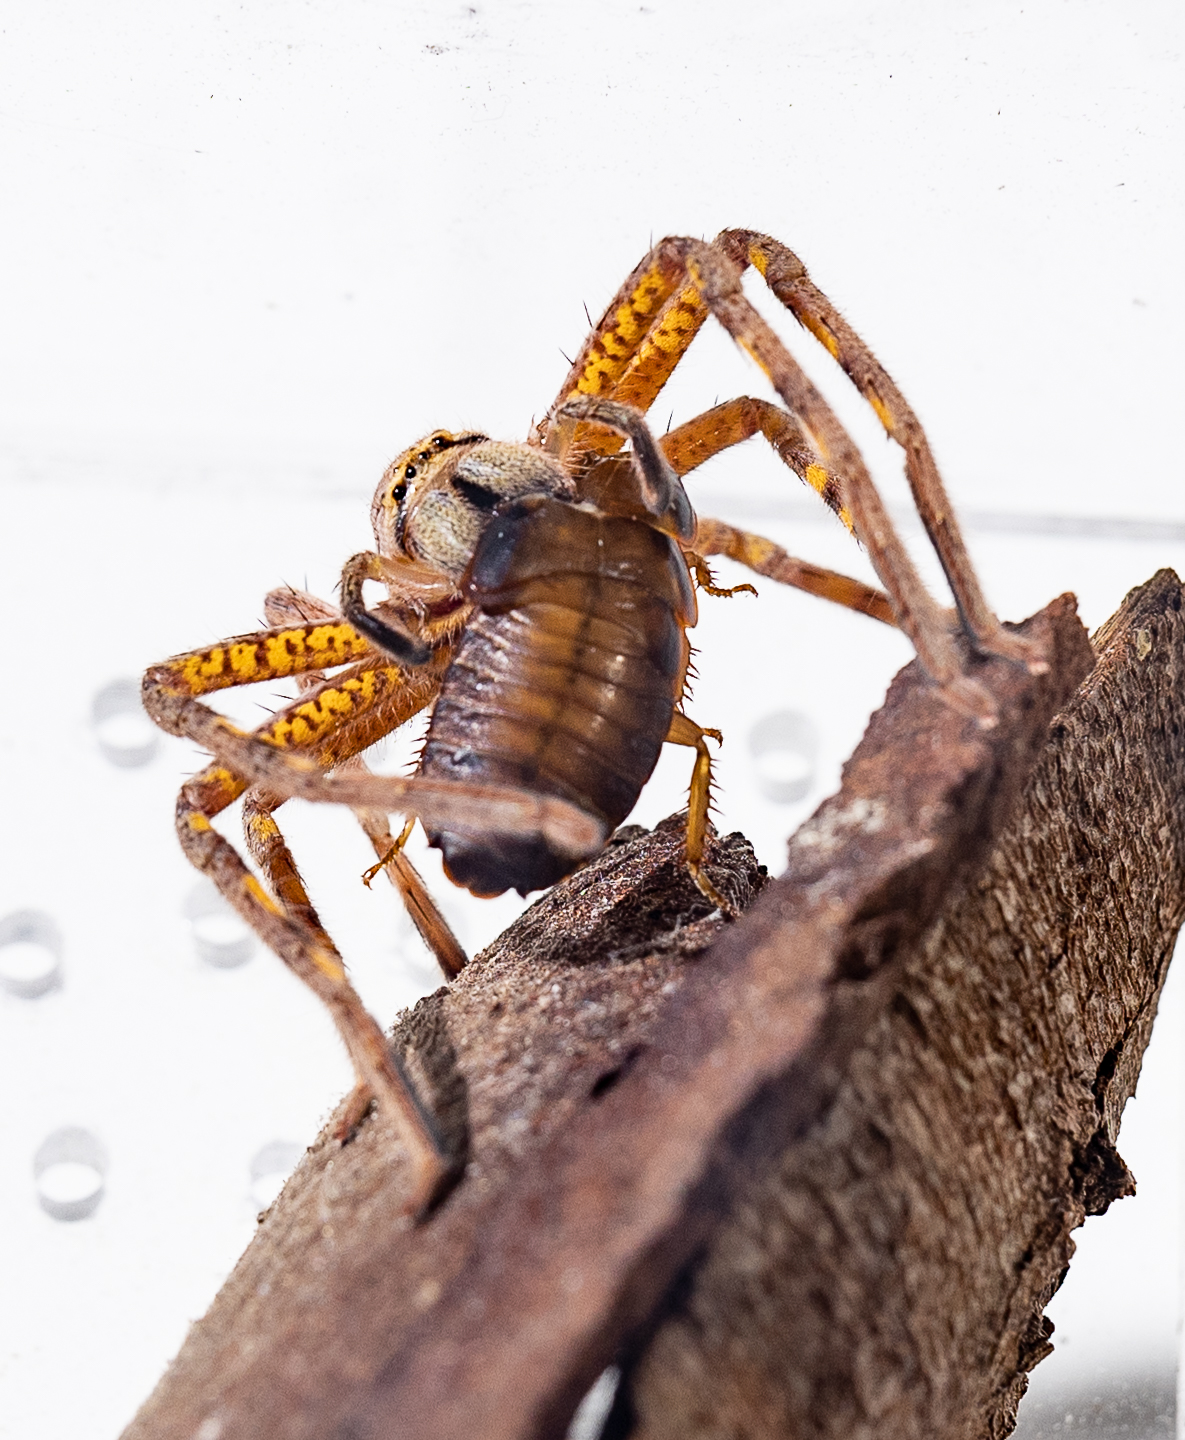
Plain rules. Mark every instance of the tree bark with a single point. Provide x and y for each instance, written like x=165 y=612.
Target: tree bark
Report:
x=810 y=1173
x=889 y=1276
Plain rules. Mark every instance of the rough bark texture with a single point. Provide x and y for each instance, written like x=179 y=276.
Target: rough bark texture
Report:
x=888 y=1277
x=658 y=1111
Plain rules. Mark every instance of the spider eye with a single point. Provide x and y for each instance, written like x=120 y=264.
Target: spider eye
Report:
x=440 y=442
x=424 y=455
x=410 y=473
x=398 y=492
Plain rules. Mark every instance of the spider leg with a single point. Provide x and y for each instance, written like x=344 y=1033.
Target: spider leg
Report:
x=787 y=277
x=918 y=614
x=463 y=807
x=289 y=606
x=643 y=335
x=684 y=731
x=273 y=654
x=265 y=757
x=299 y=939
x=695 y=442
x=271 y=852
x=715 y=537
x=630 y=324
x=283 y=606
x=651 y=483
x=336 y=720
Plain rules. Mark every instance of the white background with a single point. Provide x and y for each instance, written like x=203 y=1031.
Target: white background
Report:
x=251 y=251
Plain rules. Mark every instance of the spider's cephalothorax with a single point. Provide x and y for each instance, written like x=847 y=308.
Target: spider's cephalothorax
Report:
x=537 y=599
x=434 y=500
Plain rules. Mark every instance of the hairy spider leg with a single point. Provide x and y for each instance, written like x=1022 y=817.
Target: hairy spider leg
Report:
x=283 y=606
x=629 y=361
x=271 y=853
x=685 y=731
x=711 y=284
x=337 y=720
x=697 y=440
x=764 y=557
x=644 y=316
x=917 y=612
x=715 y=430
x=633 y=367
x=636 y=378
x=786 y=276
x=268 y=760
x=289 y=925
x=651 y=486
x=340 y=718
x=731 y=423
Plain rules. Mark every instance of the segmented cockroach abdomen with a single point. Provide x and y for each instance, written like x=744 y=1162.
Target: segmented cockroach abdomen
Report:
x=565 y=679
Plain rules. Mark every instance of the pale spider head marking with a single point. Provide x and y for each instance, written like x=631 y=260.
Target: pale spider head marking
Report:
x=436 y=498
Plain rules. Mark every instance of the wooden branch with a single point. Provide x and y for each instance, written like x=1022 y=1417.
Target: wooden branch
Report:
x=656 y=1109
x=888 y=1276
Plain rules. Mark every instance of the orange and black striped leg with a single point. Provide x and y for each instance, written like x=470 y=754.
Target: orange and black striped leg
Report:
x=303 y=945
x=637 y=365
x=648 y=324
x=715 y=537
x=917 y=612
x=787 y=277
x=280 y=607
x=686 y=732
x=342 y=717
x=732 y=423
x=271 y=654
x=365 y=703
x=337 y=719
x=736 y=421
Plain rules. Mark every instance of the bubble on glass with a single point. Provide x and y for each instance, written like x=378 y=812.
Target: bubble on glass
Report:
x=784 y=748
x=270 y=1168
x=125 y=734
x=220 y=936
x=70 y=1169
x=30 y=954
